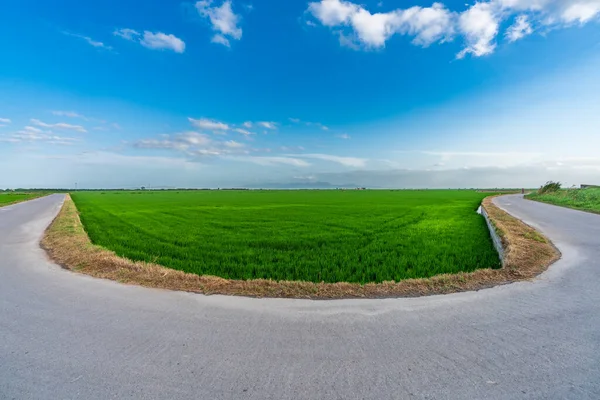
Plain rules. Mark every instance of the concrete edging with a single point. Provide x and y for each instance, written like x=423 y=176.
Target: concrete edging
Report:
x=493 y=233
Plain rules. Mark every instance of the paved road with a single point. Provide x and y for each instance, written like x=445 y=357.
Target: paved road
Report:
x=67 y=336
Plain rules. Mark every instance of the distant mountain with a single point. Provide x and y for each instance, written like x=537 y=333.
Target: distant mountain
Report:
x=301 y=185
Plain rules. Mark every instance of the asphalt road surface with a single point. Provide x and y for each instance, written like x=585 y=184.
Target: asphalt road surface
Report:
x=69 y=336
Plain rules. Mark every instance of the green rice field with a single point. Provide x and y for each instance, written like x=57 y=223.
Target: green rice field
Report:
x=7 y=198
x=331 y=236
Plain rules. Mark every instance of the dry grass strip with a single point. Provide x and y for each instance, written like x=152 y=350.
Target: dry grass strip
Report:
x=527 y=254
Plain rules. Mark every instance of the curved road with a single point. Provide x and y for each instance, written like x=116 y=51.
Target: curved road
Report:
x=68 y=336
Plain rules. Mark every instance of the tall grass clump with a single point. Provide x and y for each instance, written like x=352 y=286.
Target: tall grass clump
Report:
x=550 y=187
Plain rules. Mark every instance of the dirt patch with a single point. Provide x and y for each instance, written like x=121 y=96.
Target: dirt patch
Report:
x=527 y=253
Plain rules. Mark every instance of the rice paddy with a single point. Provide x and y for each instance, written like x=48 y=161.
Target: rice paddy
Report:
x=330 y=236
x=7 y=198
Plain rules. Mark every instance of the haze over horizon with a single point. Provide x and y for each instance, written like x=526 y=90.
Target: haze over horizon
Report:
x=252 y=93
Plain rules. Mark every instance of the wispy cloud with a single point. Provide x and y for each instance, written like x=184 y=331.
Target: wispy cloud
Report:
x=152 y=40
x=267 y=124
x=59 y=125
x=89 y=40
x=243 y=131
x=308 y=123
x=224 y=21
x=272 y=161
x=162 y=41
x=232 y=144
x=345 y=161
x=5 y=121
x=291 y=148
x=209 y=124
x=193 y=144
x=220 y=39
x=31 y=134
x=519 y=29
x=69 y=114
x=344 y=136
x=126 y=33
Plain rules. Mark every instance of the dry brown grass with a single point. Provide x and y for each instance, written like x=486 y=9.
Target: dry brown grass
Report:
x=527 y=254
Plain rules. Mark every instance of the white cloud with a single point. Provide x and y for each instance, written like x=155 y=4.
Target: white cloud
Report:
x=343 y=136
x=5 y=120
x=162 y=41
x=126 y=33
x=60 y=125
x=426 y=24
x=223 y=21
x=209 y=124
x=89 y=40
x=195 y=139
x=519 y=29
x=268 y=124
x=220 y=39
x=152 y=40
x=581 y=11
x=294 y=120
x=333 y=12
x=247 y=124
x=478 y=25
x=345 y=161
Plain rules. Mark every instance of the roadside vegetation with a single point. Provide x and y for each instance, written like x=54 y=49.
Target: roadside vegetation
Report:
x=8 y=198
x=316 y=236
x=581 y=199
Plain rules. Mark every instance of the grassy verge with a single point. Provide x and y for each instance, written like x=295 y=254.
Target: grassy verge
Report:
x=6 y=199
x=527 y=254
x=579 y=199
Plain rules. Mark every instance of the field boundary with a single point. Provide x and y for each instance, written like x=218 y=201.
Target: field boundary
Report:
x=527 y=253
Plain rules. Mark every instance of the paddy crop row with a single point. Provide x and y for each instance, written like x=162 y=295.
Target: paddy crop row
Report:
x=331 y=236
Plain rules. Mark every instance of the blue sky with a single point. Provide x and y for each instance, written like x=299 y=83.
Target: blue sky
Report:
x=255 y=93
